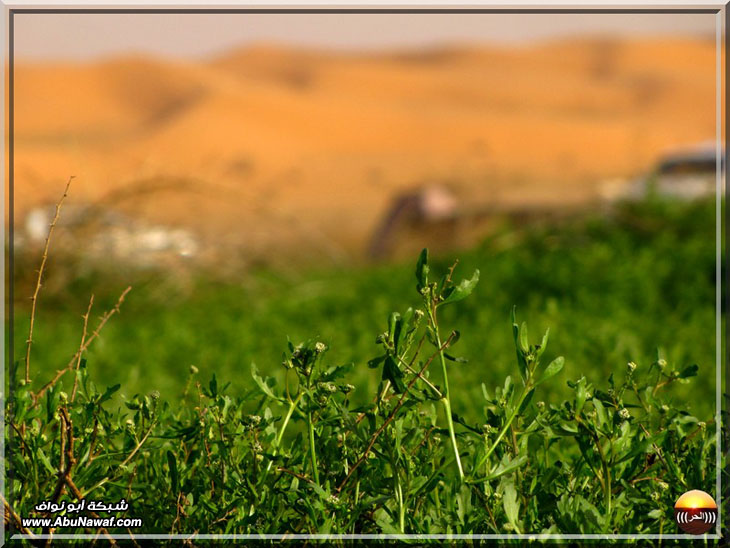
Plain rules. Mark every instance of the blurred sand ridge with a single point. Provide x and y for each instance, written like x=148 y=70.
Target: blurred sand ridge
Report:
x=270 y=148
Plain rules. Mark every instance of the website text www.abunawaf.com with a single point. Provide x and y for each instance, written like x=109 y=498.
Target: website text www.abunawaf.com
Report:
x=76 y=520
x=81 y=521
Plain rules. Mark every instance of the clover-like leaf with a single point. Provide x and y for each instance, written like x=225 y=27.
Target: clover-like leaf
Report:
x=462 y=290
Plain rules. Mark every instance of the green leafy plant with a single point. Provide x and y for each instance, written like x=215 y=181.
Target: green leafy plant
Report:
x=299 y=456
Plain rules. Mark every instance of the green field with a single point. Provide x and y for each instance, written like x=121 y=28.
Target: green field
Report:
x=611 y=290
x=597 y=429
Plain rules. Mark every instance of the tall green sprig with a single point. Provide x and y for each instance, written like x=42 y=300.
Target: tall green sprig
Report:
x=436 y=295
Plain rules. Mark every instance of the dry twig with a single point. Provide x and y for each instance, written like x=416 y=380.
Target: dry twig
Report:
x=10 y=513
x=34 y=298
x=83 y=340
x=83 y=347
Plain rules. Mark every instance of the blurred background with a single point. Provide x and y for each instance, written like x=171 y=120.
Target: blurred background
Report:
x=258 y=177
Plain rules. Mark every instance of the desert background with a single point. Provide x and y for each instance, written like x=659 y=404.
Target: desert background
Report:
x=279 y=185
x=271 y=148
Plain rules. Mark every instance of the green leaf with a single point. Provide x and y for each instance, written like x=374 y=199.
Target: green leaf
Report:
x=385 y=523
x=526 y=401
x=337 y=372
x=521 y=363
x=262 y=384
x=504 y=467
x=543 y=343
x=644 y=446
x=134 y=404
x=375 y=362
x=392 y=324
x=524 y=343
x=392 y=373
x=401 y=329
x=52 y=397
x=553 y=369
x=226 y=405
x=455 y=359
x=511 y=504
x=600 y=412
x=460 y=420
x=213 y=384
x=565 y=429
x=590 y=514
x=172 y=463
x=461 y=291
x=422 y=269
x=689 y=371
x=47 y=463
x=108 y=393
x=580 y=395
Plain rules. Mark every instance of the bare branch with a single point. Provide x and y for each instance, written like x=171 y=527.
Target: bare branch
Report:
x=83 y=347
x=16 y=518
x=83 y=340
x=34 y=298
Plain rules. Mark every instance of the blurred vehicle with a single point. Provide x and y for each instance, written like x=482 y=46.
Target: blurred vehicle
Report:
x=429 y=212
x=687 y=173
x=103 y=234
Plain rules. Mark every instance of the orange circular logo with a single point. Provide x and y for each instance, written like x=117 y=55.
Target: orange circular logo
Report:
x=695 y=512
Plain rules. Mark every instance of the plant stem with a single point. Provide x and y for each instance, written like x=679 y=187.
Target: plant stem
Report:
x=607 y=482
x=280 y=435
x=507 y=424
x=401 y=508
x=312 y=453
x=452 y=435
x=34 y=298
x=445 y=399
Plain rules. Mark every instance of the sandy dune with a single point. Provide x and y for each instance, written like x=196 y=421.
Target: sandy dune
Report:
x=269 y=145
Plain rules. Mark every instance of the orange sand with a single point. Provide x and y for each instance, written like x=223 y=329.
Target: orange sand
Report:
x=269 y=144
